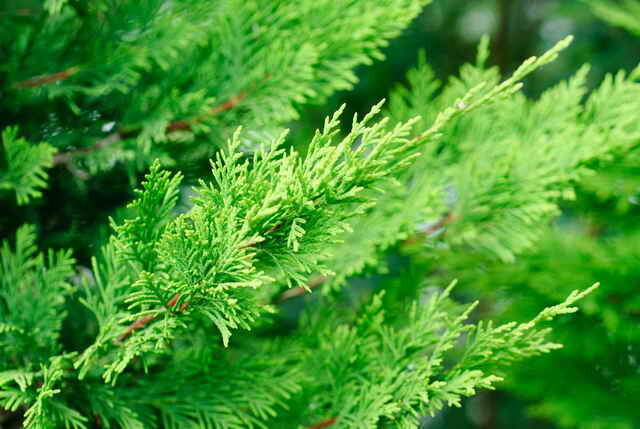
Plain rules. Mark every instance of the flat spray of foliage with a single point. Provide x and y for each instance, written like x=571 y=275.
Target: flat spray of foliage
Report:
x=182 y=327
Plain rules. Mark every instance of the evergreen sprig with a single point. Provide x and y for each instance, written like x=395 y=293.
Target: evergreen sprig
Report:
x=24 y=165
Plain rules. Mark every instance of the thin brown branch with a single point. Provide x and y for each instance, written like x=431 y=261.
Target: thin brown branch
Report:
x=324 y=424
x=253 y=243
x=138 y=324
x=185 y=124
x=172 y=302
x=18 y=12
x=43 y=80
x=66 y=157
x=446 y=220
x=301 y=290
x=145 y=320
x=289 y=294
x=317 y=281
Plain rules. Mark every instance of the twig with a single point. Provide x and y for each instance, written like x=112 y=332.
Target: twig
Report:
x=138 y=324
x=253 y=243
x=43 y=80
x=66 y=157
x=444 y=221
x=301 y=290
x=324 y=423
x=289 y=294
x=18 y=12
x=227 y=105
x=145 y=320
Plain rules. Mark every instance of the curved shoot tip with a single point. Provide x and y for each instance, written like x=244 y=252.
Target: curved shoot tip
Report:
x=590 y=289
x=562 y=44
x=448 y=289
x=577 y=295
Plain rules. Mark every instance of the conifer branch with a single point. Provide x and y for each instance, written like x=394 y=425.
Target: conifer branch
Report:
x=138 y=324
x=444 y=221
x=309 y=218
x=433 y=228
x=19 y=12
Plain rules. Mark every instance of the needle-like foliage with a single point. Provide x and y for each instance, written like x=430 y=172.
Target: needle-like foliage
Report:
x=23 y=168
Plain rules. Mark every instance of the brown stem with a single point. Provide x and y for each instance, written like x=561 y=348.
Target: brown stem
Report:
x=324 y=423
x=43 y=80
x=172 y=302
x=18 y=12
x=253 y=243
x=138 y=324
x=317 y=281
x=185 y=124
x=66 y=157
x=145 y=320
x=446 y=220
x=300 y=290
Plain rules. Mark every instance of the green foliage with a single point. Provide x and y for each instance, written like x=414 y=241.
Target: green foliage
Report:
x=386 y=368
x=595 y=239
x=422 y=191
x=602 y=361
x=183 y=318
x=33 y=290
x=24 y=165
x=508 y=174
x=182 y=75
